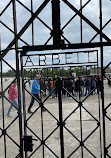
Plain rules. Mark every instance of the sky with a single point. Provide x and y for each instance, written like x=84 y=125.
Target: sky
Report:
x=42 y=33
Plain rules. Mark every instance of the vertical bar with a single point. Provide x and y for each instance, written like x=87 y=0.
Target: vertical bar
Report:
x=60 y=117
x=47 y=73
x=94 y=70
x=102 y=75
x=42 y=72
x=86 y=70
x=23 y=96
x=56 y=23
x=52 y=72
x=42 y=127
x=18 y=78
x=97 y=65
x=81 y=19
x=5 y=150
x=70 y=71
x=31 y=74
x=32 y=23
x=40 y=83
x=19 y=103
x=80 y=104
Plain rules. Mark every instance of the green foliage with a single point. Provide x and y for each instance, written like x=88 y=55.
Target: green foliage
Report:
x=50 y=72
x=10 y=73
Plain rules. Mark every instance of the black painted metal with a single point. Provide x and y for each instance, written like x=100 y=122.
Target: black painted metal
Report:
x=60 y=123
x=102 y=91
x=58 y=43
x=56 y=32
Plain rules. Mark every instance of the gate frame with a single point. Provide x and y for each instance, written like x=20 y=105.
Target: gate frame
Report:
x=57 y=44
x=60 y=123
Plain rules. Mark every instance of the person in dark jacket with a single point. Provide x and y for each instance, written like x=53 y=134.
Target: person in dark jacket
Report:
x=81 y=86
x=87 y=85
x=76 y=87
x=93 y=84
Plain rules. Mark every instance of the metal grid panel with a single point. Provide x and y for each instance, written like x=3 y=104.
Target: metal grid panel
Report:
x=56 y=37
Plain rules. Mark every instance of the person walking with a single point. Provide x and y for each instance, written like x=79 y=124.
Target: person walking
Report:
x=35 y=91
x=12 y=97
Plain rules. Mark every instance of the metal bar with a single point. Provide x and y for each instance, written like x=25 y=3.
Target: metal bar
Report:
x=81 y=128
x=11 y=122
x=56 y=23
x=9 y=65
x=66 y=46
x=13 y=33
x=9 y=86
x=51 y=151
x=51 y=133
x=33 y=133
x=71 y=113
x=100 y=129
x=90 y=152
x=86 y=20
x=107 y=66
x=75 y=14
x=23 y=96
x=23 y=6
x=61 y=65
x=70 y=94
x=89 y=113
x=91 y=133
x=5 y=8
x=31 y=11
x=81 y=19
x=72 y=134
x=102 y=75
x=108 y=106
x=18 y=78
x=19 y=103
x=42 y=131
x=3 y=115
x=44 y=23
x=60 y=117
x=73 y=152
x=34 y=151
x=25 y=27
x=66 y=39
x=32 y=23
x=48 y=40
x=12 y=140
x=66 y=52
x=102 y=29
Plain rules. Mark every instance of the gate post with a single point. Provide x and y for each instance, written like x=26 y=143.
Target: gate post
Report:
x=56 y=32
x=60 y=123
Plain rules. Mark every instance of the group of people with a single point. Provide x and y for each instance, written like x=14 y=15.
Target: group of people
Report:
x=75 y=86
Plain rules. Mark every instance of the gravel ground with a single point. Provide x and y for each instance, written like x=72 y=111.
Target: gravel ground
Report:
x=89 y=113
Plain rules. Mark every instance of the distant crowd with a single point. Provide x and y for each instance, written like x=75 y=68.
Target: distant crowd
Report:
x=75 y=86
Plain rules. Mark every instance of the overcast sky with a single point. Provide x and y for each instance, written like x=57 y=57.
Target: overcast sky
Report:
x=42 y=33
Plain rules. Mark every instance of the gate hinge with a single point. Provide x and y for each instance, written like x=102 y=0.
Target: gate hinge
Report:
x=28 y=145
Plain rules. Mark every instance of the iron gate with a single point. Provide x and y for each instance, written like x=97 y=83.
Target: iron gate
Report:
x=58 y=39
x=60 y=119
